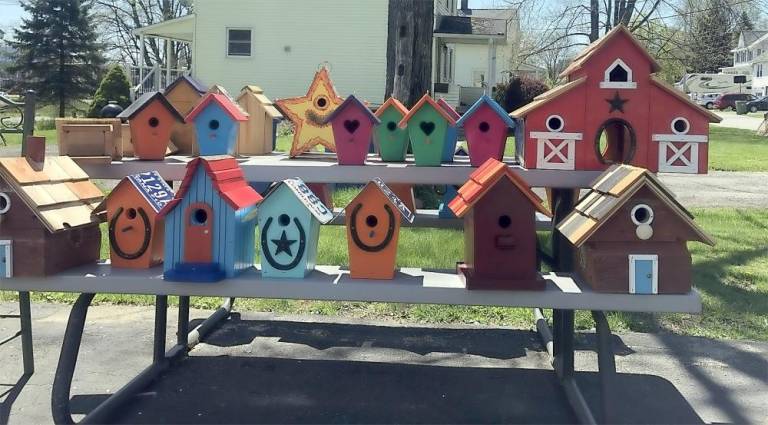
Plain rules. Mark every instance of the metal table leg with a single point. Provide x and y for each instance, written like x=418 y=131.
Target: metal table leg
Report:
x=25 y=317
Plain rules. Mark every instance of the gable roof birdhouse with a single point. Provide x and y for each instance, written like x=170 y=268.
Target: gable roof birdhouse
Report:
x=289 y=224
x=631 y=235
x=259 y=134
x=184 y=94
x=352 y=124
x=633 y=117
x=151 y=118
x=135 y=232
x=452 y=134
x=391 y=140
x=499 y=211
x=373 y=221
x=427 y=124
x=46 y=224
x=217 y=119
x=485 y=125
x=210 y=224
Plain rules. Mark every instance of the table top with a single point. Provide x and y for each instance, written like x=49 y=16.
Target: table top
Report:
x=411 y=285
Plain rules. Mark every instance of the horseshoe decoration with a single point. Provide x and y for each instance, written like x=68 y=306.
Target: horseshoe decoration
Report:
x=387 y=239
x=268 y=255
x=113 y=239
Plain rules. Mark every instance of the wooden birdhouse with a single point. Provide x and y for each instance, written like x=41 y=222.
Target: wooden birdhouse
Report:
x=46 y=224
x=136 y=234
x=485 y=126
x=452 y=134
x=427 y=124
x=632 y=115
x=352 y=124
x=405 y=193
x=259 y=134
x=151 y=118
x=631 y=235
x=373 y=225
x=289 y=226
x=184 y=94
x=499 y=211
x=210 y=224
x=391 y=140
x=217 y=119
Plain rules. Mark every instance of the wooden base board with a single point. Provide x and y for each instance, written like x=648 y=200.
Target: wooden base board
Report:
x=93 y=160
x=473 y=281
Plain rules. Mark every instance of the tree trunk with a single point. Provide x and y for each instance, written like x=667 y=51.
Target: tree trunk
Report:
x=409 y=50
x=594 y=20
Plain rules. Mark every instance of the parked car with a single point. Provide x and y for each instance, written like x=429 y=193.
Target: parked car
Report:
x=727 y=102
x=706 y=100
x=758 y=104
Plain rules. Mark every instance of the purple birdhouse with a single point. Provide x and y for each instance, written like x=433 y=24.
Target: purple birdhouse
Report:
x=352 y=124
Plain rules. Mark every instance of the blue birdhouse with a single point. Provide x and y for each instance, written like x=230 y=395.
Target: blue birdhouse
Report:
x=217 y=122
x=289 y=220
x=450 y=192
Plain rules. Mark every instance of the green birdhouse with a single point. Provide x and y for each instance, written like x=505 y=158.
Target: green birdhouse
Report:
x=427 y=125
x=390 y=139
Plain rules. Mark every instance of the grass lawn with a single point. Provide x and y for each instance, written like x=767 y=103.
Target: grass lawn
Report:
x=732 y=149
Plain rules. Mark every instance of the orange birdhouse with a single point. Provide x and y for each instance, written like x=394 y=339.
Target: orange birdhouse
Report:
x=152 y=118
x=135 y=231
x=373 y=223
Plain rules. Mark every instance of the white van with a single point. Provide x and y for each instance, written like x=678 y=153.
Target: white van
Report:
x=715 y=83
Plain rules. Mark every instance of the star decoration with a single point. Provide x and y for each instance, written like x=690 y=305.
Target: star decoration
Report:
x=617 y=103
x=307 y=113
x=283 y=244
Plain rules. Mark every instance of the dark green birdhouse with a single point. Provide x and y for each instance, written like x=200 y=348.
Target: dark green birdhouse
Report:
x=390 y=139
x=427 y=125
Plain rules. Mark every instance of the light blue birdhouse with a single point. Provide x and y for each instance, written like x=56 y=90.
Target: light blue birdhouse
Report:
x=217 y=121
x=289 y=221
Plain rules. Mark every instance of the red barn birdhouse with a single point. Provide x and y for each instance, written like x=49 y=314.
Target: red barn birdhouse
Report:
x=373 y=224
x=631 y=115
x=152 y=118
x=499 y=211
x=352 y=124
x=485 y=126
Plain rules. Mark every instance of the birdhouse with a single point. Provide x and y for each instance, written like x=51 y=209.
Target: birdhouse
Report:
x=289 y=226
x=632 y=116
x=308 y=114
x=631 y=235
x=485 y=126
x=452 y=134
x=427 y=124
x=405 y=193
x=210 y=224
x=184 y=94
x=217 y=119
x=324 y=192
x=390 y=139
x=46 y=224
x=373 y=225
x=151 y=118
x=449 y=192
x=352 y=123
x=135 y=232
x=499 y=212
x=259 y=134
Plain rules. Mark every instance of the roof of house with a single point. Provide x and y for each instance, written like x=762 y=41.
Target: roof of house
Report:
x=228 y=180
x=495 y=107
x=351 y=100
x=470 y=25
x=608 y=193
x=595 y=47
x=304 y=194
x=391 y=102
x=393 y=199
x=224 y=102
x=546 y=97
x=752 y=36
x=427 y=100
x=685 y=99
x=196 y=84
x=145 y=100
x=60 y=194
x=482 y=180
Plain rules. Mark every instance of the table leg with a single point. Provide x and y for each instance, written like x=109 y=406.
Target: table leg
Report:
x=182 y=335
x=210 y=323
x=25 y=317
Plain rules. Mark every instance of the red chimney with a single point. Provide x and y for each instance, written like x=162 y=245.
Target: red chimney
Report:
x=36 y=151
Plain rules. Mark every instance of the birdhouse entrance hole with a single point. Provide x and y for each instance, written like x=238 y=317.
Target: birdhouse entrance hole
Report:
x=391 y=126
x=131 y=213
x=200 y=217
x=214 y=124
x=371 y=221
x=154 y=122
x=484 y=127
x=284 y=220
x=618 y=74
x=505 y=221
x=615 y=142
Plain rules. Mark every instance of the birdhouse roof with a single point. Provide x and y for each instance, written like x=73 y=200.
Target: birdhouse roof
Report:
x=224 y=102
x=60 y=194
x=608 y=193
x=304 y=194
x=424 y=101
x=228 y=180
x=352 y=101
x=711 y=116
x=448 y=108
x=147 y=99
x=495 y=107
x=257 y=93
x=482 y=180
x=546 y=97
x=393 y=103
x=394 y=200
x=196 y=84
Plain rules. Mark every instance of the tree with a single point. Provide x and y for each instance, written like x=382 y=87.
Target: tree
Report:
x=409 y=50
x=57 y=52
x=743 y=23
x=710 y=50
x=114 y=87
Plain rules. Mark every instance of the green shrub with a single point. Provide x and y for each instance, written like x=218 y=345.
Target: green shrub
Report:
x=45 y=123
x=114 y=87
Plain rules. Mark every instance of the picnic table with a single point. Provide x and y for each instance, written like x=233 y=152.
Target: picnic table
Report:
x=565 y=293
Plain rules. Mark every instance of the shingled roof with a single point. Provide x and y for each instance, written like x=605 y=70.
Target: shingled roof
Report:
x=196 y=84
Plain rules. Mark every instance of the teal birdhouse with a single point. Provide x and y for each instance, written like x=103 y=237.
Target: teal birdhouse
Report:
x=217 y=121
x=428 y=125
x=289 y=221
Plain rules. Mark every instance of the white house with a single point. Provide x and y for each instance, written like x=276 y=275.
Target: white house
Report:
x=279 y=44
x=750 y=57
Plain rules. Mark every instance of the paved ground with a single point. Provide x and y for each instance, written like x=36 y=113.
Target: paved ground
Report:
x=744 y=122
x=263 y=369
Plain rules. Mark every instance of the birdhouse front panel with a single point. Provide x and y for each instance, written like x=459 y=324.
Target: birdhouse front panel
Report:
x=352 y=132
x=258 y=135
x=486 y=135
x=392 y=141
x=151 y=131
x=216 y=132
x=427 y=130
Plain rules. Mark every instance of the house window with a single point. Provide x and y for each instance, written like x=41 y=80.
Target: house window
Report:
x=618 y=76
x=238 y=42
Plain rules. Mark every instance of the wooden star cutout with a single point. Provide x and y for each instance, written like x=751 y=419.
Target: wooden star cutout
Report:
x=617 y=103
x=307 y=113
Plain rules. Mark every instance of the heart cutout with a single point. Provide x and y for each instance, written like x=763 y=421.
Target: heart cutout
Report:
x=351 y=125
x=427 y=127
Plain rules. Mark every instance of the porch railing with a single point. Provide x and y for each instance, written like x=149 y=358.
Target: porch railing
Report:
x=152 y=78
